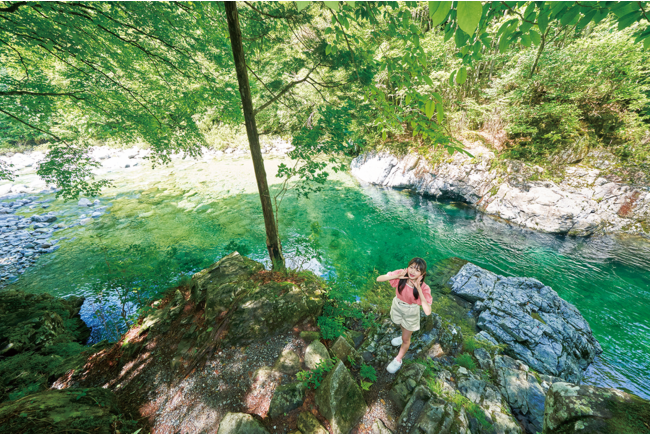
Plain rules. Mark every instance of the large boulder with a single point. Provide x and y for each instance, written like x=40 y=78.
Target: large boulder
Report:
x=523 y=390
x=240 y=423
x=429 y=413
x=538 y=327
x=594 y=410
x=254 y=310
x=339 y=400
x=69 y=410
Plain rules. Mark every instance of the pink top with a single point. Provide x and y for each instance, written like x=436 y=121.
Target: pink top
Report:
x=407 y=293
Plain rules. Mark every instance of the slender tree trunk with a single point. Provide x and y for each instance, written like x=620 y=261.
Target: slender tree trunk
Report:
x=539 y=52
x=272 y=238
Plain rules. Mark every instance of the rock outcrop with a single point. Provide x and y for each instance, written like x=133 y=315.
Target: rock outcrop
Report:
x=261 y=309
x=584 y=203
x=339 y=400
x=73 y=410
x=538 y=327
x=41 y=337
x=594 y=410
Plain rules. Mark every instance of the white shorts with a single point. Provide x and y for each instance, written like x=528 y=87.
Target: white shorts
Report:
x=405 y=315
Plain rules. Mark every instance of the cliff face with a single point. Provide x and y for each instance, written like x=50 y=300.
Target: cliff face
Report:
x=583 y=203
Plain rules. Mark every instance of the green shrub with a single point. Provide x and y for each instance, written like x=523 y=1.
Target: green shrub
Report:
x=466 y=361
x=314 y=378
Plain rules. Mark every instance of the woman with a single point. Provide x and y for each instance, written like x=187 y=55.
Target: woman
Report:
x=410 y=293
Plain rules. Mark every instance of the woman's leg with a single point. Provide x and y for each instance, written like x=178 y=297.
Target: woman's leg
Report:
x=406 y=342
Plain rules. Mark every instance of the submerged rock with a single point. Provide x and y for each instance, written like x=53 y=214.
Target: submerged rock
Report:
x=589 y=410
x=538 y=327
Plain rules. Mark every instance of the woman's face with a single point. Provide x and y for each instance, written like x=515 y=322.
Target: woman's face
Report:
x=414 y=272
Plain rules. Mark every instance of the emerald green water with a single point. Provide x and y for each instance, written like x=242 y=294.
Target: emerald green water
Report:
x=168 y=222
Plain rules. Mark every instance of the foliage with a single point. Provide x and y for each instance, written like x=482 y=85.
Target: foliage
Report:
x=466 y=361
x=368 y=372
x=431 y=366
x=312 y=379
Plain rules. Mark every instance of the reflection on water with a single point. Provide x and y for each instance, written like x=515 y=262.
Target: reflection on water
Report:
x=165 y=224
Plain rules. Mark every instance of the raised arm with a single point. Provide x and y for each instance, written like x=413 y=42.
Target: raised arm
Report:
x=388 y=276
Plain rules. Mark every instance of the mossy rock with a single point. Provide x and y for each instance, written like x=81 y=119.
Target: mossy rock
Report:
x=255 y=311
x=286 y=398
x=339 y=400
x=240 y=423
x=308 y=424
x=70 y=410
x=288 y=362
x=315 y=354
x=589 y=410
x=309 y=336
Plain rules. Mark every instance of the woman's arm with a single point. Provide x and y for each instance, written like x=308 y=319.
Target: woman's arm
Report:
x=425 y=306
x=386 y=277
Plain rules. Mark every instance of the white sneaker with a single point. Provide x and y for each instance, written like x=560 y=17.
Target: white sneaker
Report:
x=394 y=366
x=397 y=341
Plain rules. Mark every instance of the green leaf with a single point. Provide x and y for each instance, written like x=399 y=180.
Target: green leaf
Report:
x=586 y=19
x=525 y=40
x=535 y=37
x=468 y=15
x=383 y=135
x=209 y=329
x=437 y=96
x=462 y=75
x=503 y=43
x=328 y=49
x=451 y=78
x=569 y=15
x=302 y=5
x=439 y=113
x=646 y=43
x=459 y=38
x=438 y=12
x=542 y=21
x=332 y=5
x=427 y=80
x=628 y=20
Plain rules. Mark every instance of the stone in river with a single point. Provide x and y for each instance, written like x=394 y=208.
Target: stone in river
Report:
x=96 y=214
x=49 y=218
x=538 y=327
x=84 y=202
x=85 y=221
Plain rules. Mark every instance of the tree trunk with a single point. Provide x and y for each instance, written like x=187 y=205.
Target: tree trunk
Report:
x=272 y=238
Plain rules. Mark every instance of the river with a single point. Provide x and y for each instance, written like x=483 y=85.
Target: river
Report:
x=163 y=224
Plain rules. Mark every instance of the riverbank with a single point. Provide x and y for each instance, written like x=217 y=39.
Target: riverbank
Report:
x=585 y=202
x=239 y=350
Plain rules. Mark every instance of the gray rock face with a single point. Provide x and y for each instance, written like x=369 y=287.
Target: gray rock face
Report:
x=583 y=204
x=524 y=392
x=538 y=327
x=339 y=400
x=594 y=410
x=240 y=423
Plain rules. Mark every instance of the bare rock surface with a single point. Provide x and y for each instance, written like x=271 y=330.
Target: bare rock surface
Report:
x=582 y=204
x=538 y=327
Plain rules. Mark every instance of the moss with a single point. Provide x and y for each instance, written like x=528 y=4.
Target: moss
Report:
x=630 y=415
x=537 y=317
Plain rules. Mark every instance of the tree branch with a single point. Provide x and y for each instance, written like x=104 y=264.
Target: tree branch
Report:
x=285 y=90
x=26 y=92
x=30 y=125
x=13 y=7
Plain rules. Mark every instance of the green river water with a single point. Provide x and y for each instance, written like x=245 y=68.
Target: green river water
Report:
x=168 y=222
